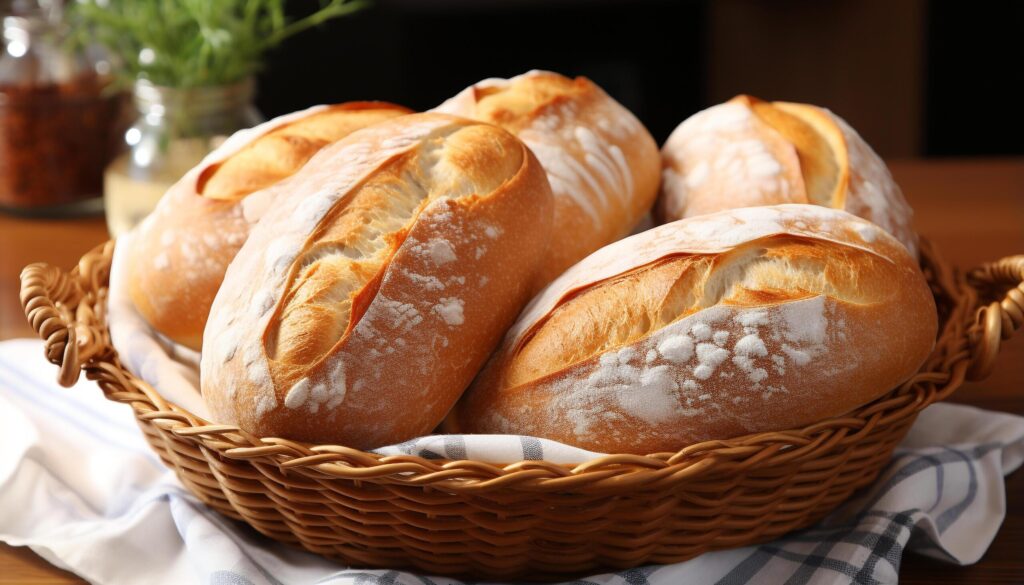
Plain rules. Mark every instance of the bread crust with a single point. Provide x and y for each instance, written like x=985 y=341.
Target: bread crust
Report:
x=741 y=321
x=601 y=161
x=183 y=248
x=326 y=332
x=748 y=152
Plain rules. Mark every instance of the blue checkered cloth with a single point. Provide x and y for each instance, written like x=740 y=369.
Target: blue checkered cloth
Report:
x=79 y=485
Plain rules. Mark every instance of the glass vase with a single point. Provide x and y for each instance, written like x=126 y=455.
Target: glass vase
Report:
x=174 y=130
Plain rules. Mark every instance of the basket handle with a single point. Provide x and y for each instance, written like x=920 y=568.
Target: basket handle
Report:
x=59 y=310
x=997 y=320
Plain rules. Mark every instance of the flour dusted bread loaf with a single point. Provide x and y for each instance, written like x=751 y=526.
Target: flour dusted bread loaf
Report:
x=741 y=321
x=183 y=248
x=372 y=292
x=748 y=152
x=602 y=163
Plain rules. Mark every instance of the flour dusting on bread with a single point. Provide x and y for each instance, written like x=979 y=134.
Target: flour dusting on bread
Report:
x=747 y=152
x=358 y=298
x=742 y=321
x=600 y=161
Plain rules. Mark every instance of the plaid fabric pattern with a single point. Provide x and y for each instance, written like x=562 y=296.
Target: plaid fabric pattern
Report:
x=861 y=543
x=77 y=481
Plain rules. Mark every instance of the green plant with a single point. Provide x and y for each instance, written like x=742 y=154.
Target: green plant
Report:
x=192 y=43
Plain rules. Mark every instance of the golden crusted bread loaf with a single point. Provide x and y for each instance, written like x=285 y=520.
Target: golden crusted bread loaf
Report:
x=602 y=163
x=374 y=289
x=183 y=248
x=747 y=152
x=747 y=320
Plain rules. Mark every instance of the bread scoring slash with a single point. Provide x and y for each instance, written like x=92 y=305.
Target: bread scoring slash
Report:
x=375 y=287
x=742 y=321
x=748 y=152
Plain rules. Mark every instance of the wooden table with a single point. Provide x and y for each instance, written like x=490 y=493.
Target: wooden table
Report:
x=972 y=209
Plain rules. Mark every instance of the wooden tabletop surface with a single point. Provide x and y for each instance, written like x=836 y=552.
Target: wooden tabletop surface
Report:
x=973 y=210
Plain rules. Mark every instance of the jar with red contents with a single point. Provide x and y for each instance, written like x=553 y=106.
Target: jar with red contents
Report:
x=57 y=117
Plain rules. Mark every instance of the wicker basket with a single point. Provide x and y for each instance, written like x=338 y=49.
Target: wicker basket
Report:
x=528 y=519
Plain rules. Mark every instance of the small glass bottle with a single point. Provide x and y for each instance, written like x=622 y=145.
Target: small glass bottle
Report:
x=175 y=129
x=57 y=117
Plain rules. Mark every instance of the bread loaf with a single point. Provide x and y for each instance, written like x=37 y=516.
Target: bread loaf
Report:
x=747 y=320
x=600 y=160
x=183 y=248
x=372 y=292
x=748 y=152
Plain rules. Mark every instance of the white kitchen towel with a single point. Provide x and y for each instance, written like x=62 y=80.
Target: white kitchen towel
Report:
x=80 y=486
x=170 y=368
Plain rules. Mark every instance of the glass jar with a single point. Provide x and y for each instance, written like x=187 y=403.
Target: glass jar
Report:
x=57 y=117
x=175 y=129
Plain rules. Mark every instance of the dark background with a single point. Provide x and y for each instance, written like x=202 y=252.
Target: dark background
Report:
x=915 y=77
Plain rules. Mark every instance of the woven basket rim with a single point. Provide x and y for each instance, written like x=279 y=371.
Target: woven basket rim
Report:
x=81 y=295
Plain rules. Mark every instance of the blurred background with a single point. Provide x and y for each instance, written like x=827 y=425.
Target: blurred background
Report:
x=915 y=77
x=104 y=104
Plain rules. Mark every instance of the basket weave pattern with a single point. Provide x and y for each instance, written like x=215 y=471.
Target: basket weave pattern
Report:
x=528 y=519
